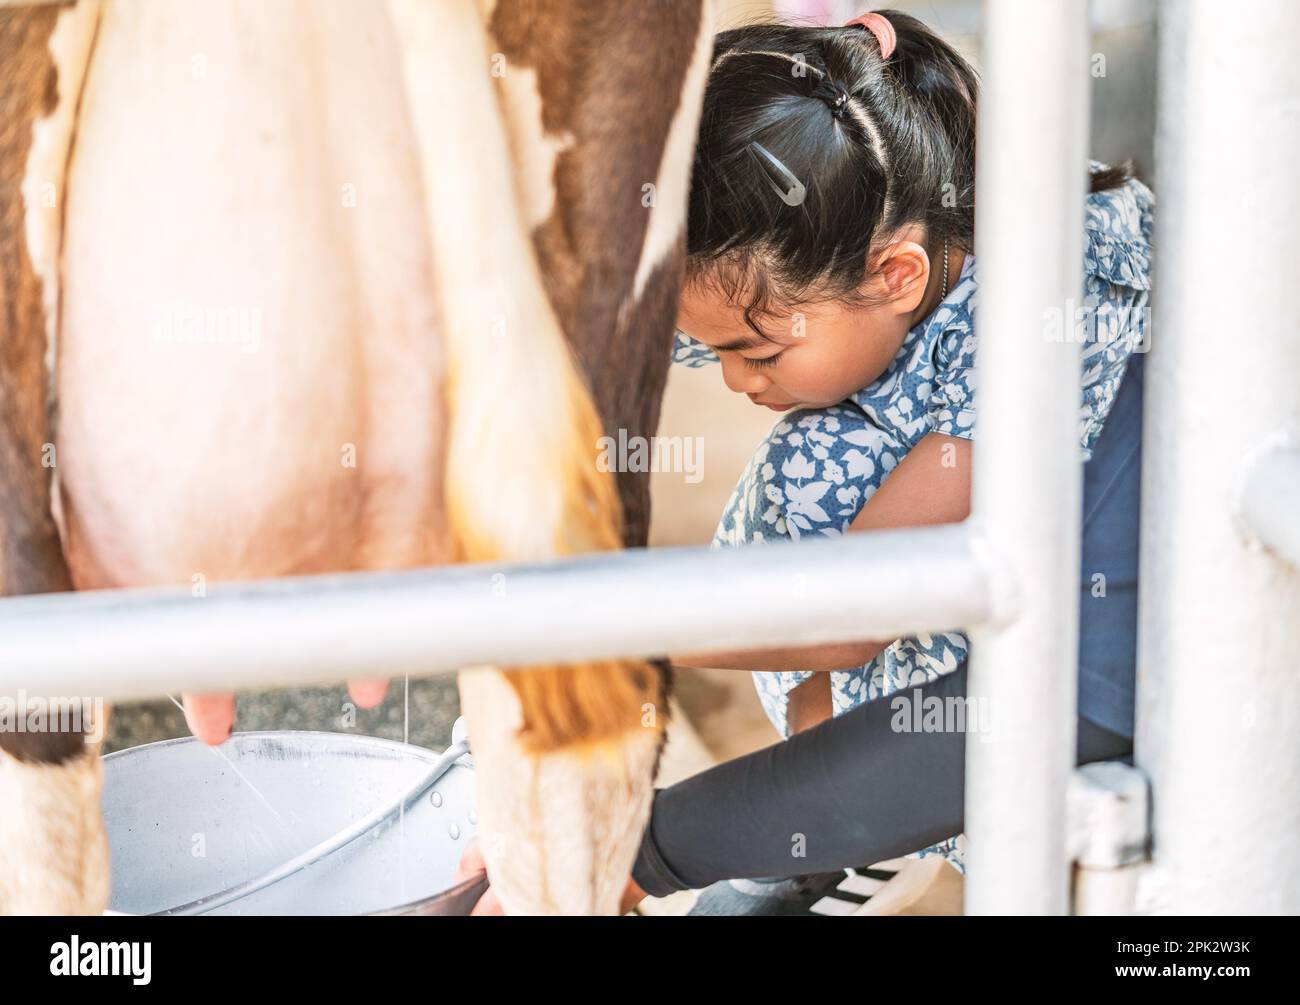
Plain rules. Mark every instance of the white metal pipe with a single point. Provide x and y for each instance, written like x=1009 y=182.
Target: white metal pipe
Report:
x=1109 y=815
x=1030 y=192
x=1109 y=836
x=1269 y=503
x=124 y=644
x=1109 y=892
x=1218 y=707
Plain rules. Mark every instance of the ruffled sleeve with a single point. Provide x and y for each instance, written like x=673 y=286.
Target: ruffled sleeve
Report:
x=951 y=405
x=1116 y=297
x=1117 y=235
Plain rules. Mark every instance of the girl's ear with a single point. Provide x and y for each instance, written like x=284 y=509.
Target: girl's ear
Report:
x=903 y=268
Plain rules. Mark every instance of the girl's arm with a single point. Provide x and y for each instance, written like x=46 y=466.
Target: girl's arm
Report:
x=931 y=485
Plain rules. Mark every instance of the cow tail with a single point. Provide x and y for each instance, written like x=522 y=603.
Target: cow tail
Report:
x=522 y=479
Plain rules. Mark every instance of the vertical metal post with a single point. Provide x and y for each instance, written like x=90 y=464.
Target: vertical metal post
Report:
x=1218 y=716
x=1030 y=193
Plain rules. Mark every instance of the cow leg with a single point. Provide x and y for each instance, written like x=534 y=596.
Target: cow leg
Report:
x=53 y=851
x=564 y=756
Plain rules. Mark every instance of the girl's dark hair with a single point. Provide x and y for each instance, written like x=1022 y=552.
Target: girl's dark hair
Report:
x=876 y=144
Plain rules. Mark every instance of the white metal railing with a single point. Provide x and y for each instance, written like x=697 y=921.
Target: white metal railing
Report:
x=123 y=644
x=1218 y=703
x=1031 y=180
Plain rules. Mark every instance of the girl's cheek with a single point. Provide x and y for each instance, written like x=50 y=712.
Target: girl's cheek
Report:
x=811 y=384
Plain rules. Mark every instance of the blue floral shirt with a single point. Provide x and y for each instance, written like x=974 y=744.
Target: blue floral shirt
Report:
x=818 y=467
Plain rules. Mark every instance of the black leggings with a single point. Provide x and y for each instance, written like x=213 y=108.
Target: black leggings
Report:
x=848 y=792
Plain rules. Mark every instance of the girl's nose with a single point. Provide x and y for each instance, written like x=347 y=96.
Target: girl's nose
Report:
x=742 y=379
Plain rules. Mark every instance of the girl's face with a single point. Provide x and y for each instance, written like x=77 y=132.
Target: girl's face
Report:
x=821 y=354
x=811 y=359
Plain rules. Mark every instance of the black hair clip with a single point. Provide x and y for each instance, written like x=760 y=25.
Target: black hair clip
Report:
x=792 y=192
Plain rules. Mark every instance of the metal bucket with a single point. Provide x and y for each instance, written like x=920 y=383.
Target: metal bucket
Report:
x=289 y=823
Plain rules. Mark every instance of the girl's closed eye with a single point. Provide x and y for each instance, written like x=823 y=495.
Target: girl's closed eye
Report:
x=766 y=361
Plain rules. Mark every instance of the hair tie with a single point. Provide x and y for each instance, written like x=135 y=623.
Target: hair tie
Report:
x=879 y=26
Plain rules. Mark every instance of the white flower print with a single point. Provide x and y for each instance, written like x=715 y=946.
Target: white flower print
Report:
x=859 y=465
x=802 y=500
x=798 y=467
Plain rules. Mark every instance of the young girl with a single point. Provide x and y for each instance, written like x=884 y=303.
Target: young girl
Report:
x=830 y=274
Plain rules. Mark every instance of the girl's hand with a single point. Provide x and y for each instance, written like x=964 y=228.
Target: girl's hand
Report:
x=471 y=865
x=632 y=896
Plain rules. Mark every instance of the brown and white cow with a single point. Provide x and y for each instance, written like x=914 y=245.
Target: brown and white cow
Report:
x=420 y=217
